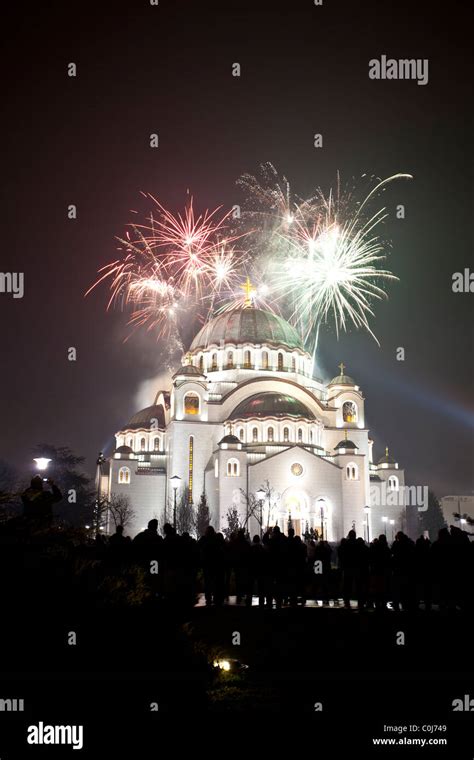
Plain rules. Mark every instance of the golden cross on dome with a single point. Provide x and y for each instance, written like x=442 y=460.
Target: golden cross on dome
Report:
x=249 y=291
x=342 y=367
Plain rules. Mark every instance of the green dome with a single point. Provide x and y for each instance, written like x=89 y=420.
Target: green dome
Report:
x=342 y=380
x=247 y=325
x=270 y=404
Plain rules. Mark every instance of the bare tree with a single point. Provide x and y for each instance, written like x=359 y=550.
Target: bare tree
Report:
x=202 y=516
x=121 y=510
x=185 y=514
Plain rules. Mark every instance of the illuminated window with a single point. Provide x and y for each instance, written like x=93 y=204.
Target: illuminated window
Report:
x=214 y=361
x=349 y=411
x=191 y=403
x=280 y=362
x=142 y=444
x=156 y=444
x=233 y=468
x=190 y=468
x=255 y=435
x=286 y=435
x=352 y=471
x=265 y=360
x=124 y=476
x=293 y=364
x=393 y=483
x=270 y=434
x=216 y=468
x=241 y=434
x=230 y=360
x=247 y=359
x=130 y=442
x=300 y=435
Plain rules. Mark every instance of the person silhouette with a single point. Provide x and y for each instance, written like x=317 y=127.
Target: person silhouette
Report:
x=37 y=502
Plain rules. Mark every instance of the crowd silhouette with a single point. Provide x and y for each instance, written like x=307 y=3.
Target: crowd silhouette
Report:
x=286 y=570
x=275 y=569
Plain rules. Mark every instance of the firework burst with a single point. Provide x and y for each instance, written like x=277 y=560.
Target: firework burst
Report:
x=174 y=268
x=320 y=256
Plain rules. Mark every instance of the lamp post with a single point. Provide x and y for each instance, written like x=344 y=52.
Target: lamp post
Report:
x=260 y=494
x=321 y=514
x=41 y=463
x=175 y=481
x=392 y=523
x=100 y=461
x=367 y=512
x=385 y=521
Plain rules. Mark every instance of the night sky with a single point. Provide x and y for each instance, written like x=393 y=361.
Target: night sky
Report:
x=167 y=69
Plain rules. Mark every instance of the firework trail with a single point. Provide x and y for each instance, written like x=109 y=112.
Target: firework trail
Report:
x=174 y=268
x=320 y=256
x=314 y=260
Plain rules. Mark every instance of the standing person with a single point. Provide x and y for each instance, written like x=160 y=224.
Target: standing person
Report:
x=380 y=563
x=258 y=557
x=38 y=503
x=348 y=562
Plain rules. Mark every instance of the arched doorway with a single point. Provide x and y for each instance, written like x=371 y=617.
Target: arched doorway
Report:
x=294 y=511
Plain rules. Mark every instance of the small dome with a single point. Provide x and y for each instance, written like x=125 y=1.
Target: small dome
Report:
x=144 y=418
x=345 y=445
x=342 y=380
x=386 y=459
x=230 y=439
x=123 y=450
x=247 y=325
x=271 y=404
x=189 y=371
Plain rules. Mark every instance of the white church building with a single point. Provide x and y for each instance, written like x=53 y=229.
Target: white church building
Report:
x=244 y=413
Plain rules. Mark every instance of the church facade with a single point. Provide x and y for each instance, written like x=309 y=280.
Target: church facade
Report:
x=247 y=423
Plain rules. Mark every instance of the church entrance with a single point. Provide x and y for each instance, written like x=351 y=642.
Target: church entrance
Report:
x=294 y=511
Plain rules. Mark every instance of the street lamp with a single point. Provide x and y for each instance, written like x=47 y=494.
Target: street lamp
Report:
x=463 y=522
x=260 y=494
x=41 y=463
x=175 y=481
x=385 y=521
x=367 y=512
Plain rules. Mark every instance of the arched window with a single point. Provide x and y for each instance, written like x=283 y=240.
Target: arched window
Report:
x=247 y=359
x=233 y=469
x=300 y=435
x=349 y=411
x=352 y=471
x=201 y=363
x=156 y=444
x=270 y=434
x=230 y=360
x=241 y=434
x=286 y=435
x=255 y=435
x=191 y=403
x=265 y=360
x=216 y=468
x=130 y=442
x=142 y=444
x=393 y=483
x=311 y=436
x=124 y=476
x=214 y=361
x=293 y=364
x=280 y=362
